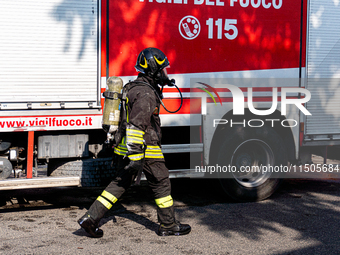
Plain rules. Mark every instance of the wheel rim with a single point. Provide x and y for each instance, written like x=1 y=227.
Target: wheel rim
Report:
x=251 y=155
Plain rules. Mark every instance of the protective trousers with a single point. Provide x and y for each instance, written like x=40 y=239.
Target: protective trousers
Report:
x=158 y=179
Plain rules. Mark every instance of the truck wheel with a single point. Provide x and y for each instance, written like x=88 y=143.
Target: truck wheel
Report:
x=92 y=172
x=5 y=168
x=246 y=149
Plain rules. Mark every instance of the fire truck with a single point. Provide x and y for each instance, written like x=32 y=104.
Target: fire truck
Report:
x=258 y=78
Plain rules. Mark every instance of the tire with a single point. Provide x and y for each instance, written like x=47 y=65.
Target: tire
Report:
x=92 y=172
x=251 y=147
x=5 y=168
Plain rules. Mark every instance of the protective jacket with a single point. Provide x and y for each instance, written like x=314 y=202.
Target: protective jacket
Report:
x=142 y=134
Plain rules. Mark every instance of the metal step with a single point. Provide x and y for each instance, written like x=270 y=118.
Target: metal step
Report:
x=181 y=173
x=39 y=183
x=182 y=148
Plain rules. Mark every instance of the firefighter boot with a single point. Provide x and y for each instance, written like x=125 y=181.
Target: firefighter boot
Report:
x=166 y=216
x=90 y=226
x=175 y=228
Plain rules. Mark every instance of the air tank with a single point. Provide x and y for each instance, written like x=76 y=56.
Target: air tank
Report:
x=111 y=114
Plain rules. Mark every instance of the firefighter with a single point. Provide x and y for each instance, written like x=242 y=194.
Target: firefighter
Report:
x=140 y=149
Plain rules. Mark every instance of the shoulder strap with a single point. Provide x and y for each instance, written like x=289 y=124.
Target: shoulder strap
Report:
x=123 y=118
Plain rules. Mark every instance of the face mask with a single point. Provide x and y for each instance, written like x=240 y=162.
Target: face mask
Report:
x=163 y=77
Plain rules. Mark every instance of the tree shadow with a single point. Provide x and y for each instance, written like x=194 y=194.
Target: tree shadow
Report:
x=306 y=209
x=309 y=208
x=68 y=12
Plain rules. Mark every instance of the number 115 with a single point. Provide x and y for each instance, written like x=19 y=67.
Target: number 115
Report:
x=228 y=25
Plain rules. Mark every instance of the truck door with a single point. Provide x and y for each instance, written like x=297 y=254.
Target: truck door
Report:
x=323 y=73
x=49 y=54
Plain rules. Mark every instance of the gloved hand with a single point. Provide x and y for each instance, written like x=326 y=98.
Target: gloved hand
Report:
x=135 y=166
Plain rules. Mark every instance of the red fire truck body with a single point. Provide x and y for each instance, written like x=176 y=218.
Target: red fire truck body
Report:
x=57 y=56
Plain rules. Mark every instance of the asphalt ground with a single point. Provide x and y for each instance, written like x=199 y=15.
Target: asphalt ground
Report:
x=302 y=217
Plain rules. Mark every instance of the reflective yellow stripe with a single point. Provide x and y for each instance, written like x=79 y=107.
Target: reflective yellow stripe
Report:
x=153 y=151
x=164 y=202
x=154 y=148
x=136 y=157
x=121 y=152
x=135 y=132
x=122 y=146
x=137 y=140
x=127 y=110
x=134 y=136
x=109 y=196
x=147 y=155
x=121 y=149
x=106 y=203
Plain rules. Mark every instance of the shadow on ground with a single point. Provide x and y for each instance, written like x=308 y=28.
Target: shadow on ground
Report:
x=308 y=207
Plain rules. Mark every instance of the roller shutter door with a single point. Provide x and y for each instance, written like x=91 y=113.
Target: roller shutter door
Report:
x=323 y=70
x=48 y=53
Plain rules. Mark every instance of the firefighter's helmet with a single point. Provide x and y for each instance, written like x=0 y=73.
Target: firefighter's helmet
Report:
x=151 y=61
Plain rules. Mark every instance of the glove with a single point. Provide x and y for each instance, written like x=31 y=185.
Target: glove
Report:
x=135 y=166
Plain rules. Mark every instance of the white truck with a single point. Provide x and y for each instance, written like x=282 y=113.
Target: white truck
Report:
x=240 y=64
